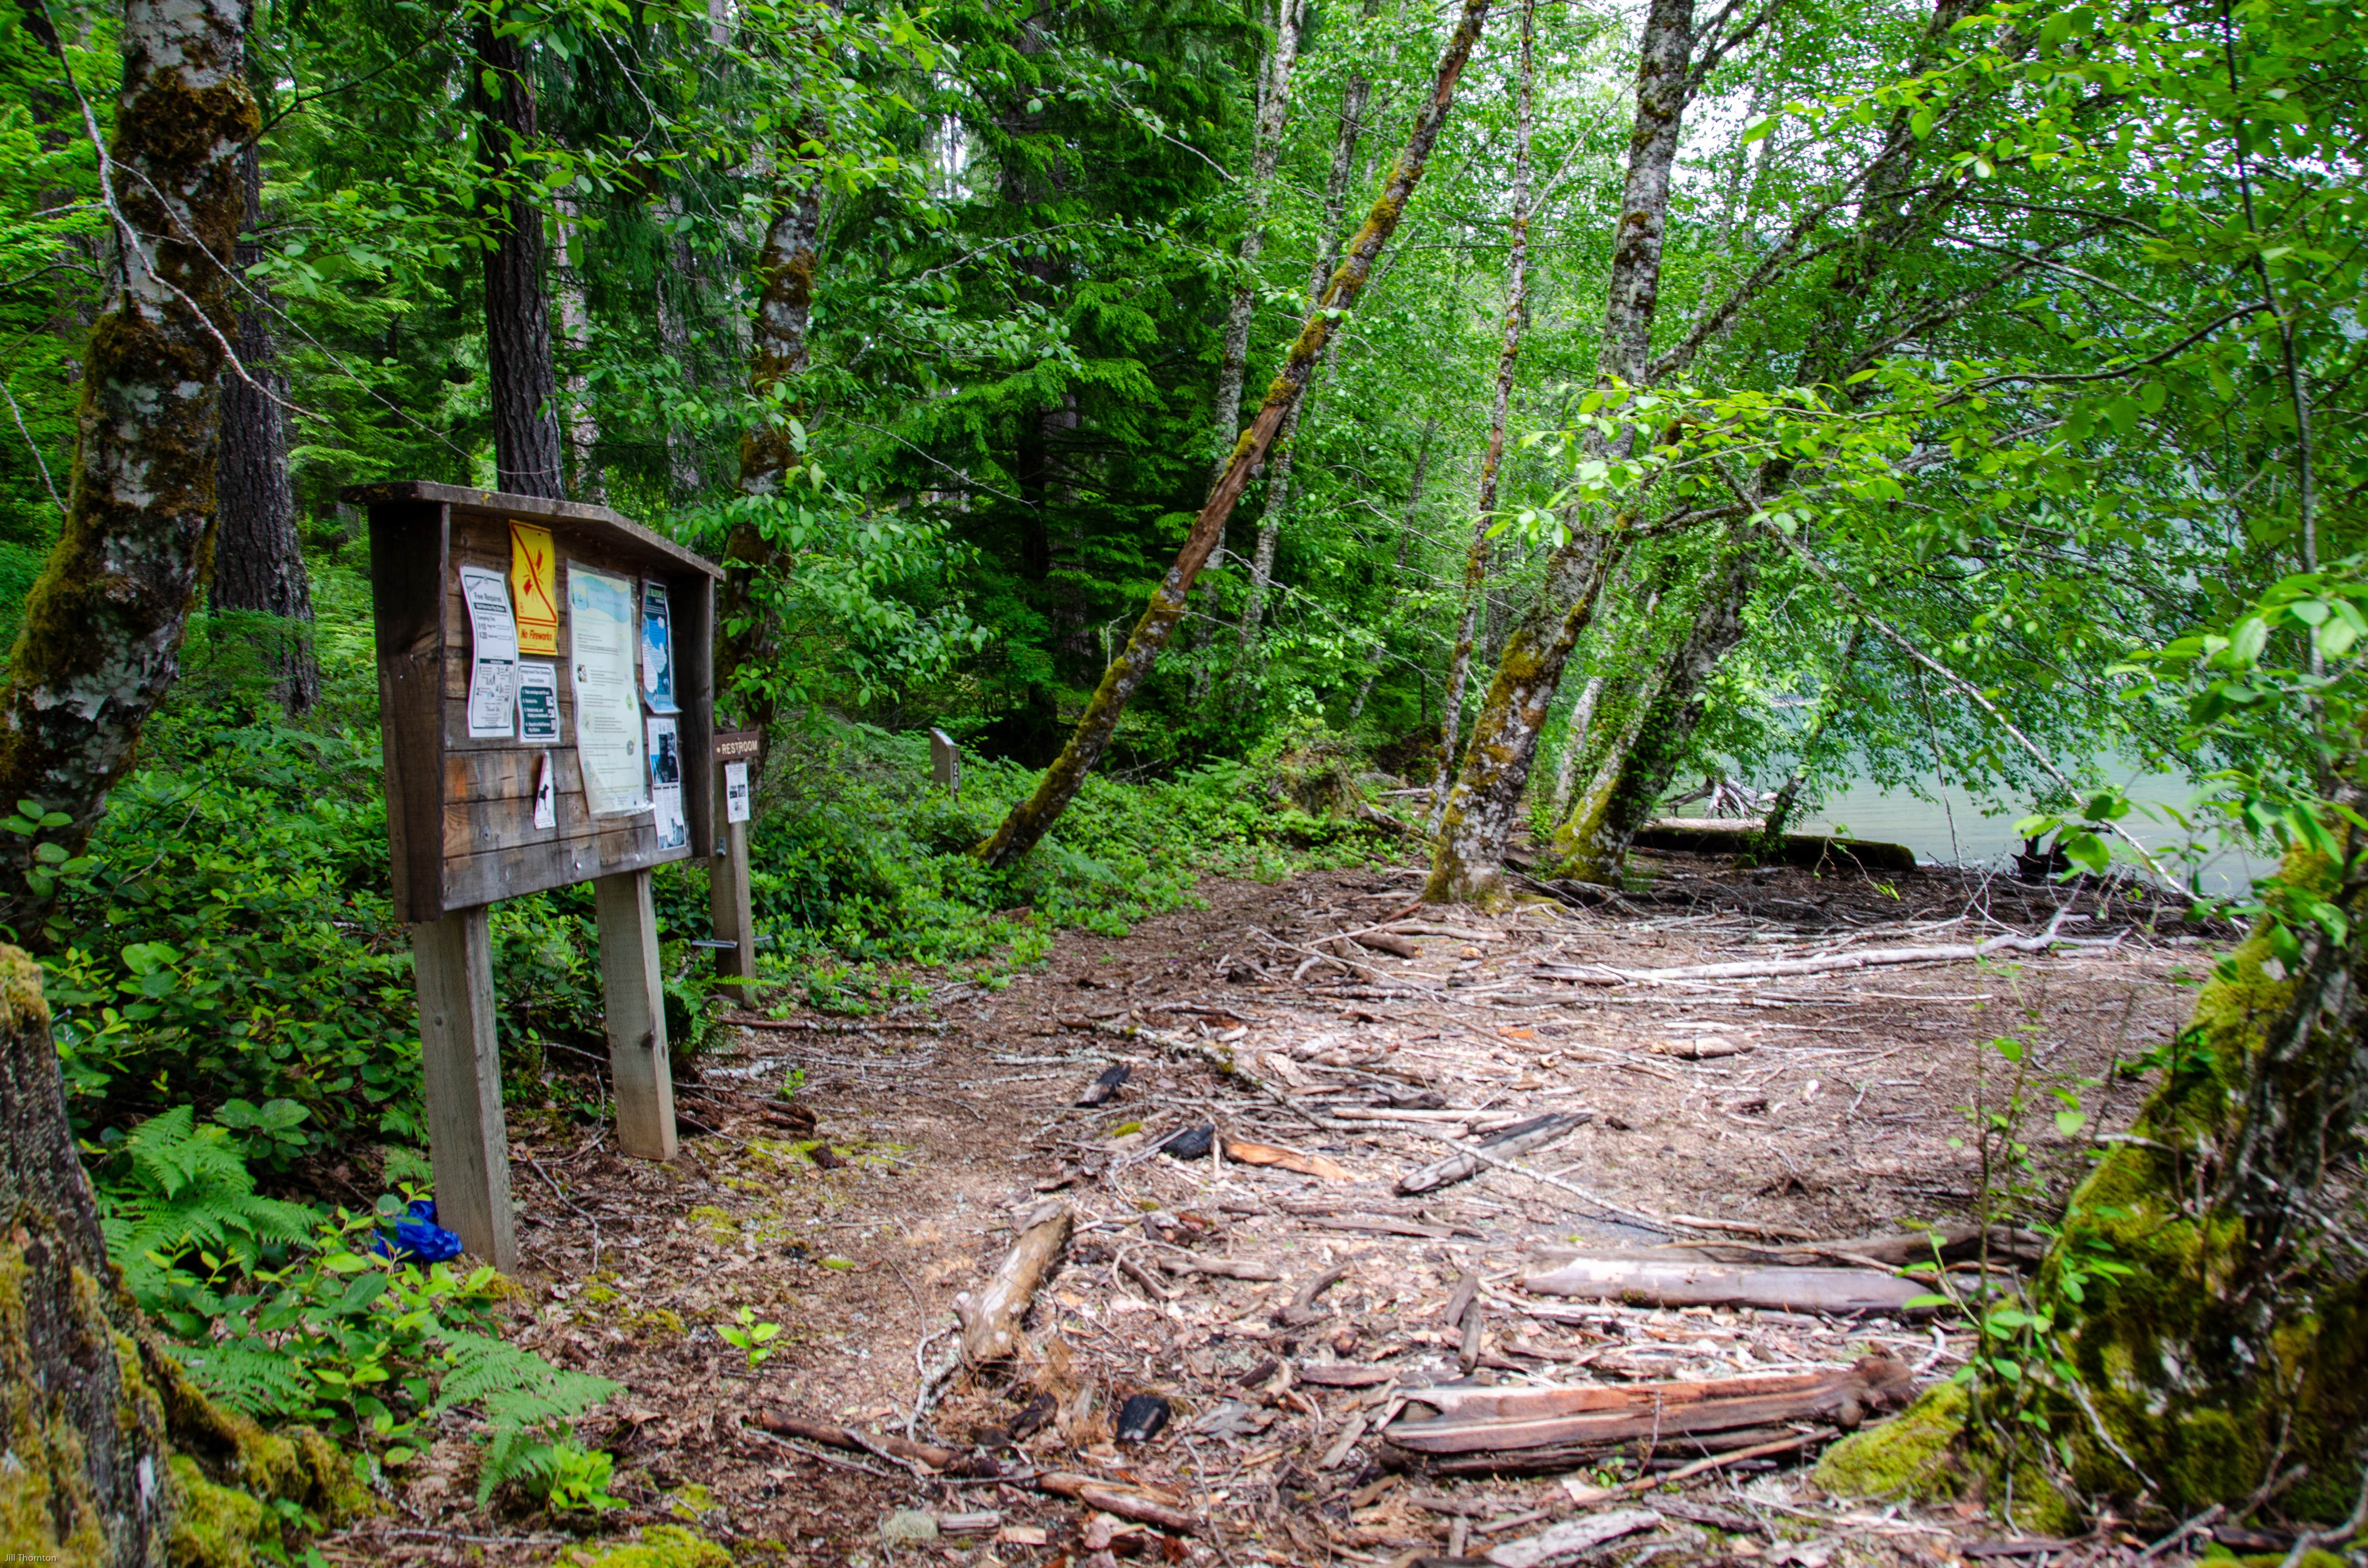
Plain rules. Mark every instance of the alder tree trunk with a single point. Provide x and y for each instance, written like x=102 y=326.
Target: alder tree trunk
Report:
x=1592 y=845
x=676 y=299
x=1492 y=459
x=778 y=357
x=524 y=382
x=258 y=559
x=101 y=640
x=575 y=331
x=1582 y=718
x=1468 y=859
x=1033 y=817
x=1354 y=95
x=1378 y=656
x=1266 y=147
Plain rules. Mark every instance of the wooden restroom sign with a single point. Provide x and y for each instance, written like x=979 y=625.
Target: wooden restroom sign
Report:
x=546 y=682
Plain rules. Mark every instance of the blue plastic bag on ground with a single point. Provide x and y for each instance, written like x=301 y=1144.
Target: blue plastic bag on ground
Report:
x=418 y=1239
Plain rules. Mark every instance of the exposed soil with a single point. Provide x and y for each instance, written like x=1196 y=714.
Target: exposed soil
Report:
x=1829 y=1105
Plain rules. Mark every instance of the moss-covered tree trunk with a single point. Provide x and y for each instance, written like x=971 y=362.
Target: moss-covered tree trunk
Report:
x=1593 y=844
x=1033 y=817
x=1492 y=456
x=1481 y=812
x=101 y=640
x=1769 y=843
x=2208 y=1273
x=86 y=1480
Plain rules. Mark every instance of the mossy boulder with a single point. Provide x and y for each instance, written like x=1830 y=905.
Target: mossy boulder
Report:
x=1930 y=1453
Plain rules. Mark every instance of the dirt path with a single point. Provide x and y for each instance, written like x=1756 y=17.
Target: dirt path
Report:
x=1826 y=1105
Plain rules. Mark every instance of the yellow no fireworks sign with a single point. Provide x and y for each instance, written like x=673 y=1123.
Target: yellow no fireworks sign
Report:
x=533 y=588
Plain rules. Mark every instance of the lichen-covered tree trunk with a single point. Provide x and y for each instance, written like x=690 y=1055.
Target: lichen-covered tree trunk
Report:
x=575 y=331
x=1467 y=857
x=1581 y=723
x=1492 y=457
x=777 y=356
x=1033 y=817
x=101 y=640
x=258 y=560
x=1265 y=147
x=523 y=378
x=1593 y=844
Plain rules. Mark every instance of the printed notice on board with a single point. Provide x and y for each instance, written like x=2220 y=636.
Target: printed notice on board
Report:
x=657 y=648
x=608 y=708
x=736 y=791
x=546 y=794
x=538 y=702
x=492 y=654
x=534 y=573
x=666 y=784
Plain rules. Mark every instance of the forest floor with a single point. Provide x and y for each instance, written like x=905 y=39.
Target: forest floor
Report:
x=1829 y=1105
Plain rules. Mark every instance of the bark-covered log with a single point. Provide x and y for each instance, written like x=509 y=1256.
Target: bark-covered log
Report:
x=524 y=380
x=1033 y=817
x=101 y=640
x=258 y=560
x=1661 y=1280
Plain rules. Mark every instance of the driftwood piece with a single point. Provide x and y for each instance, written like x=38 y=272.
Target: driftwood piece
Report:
x=1771 y=969
x=990 y=1320
x=1730 y=835
x=1660 y=1280
x=1223 y=1268
x=1530 y=1421
x=903 y=1449
x=1303 y=1309
x=1126 y=1502
x=1572 y=1537
x=1518 y=1138
x=1344 y=1375
x=1384 y=942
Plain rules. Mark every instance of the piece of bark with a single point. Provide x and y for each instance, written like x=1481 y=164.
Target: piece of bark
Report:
x=1515 y=1420
x=1223 y=1268
x=1102 y=1090
x=990 y=1320
x=1303 y=1309
x=1460 y=1301
x=1127 y=1503
x=1249 y=1153
x=1703 y=1048
x=1475 y=1323
x=1518 y=1138
x=1344 y=1375
x=1384 y=942
x=1645 y=1279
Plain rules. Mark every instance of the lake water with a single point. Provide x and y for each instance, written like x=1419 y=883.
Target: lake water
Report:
x=1979 y=831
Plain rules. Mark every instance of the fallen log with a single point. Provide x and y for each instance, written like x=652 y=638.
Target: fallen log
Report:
x=751 y=1021
x=1384 y=942
x=990 y=1321
x=1223 y=1268
x=1548 y=1422
x=1771 y=969
x=1732 y=836
x=1648 y=1279
x=1957 y=1243
x=1572 y=1537
x=1518 y=1138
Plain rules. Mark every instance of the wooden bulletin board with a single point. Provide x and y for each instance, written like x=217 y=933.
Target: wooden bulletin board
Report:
x=460 y=810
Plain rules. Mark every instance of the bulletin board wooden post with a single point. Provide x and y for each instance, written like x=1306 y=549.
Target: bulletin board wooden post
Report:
x=728 y=900
x=474 y=816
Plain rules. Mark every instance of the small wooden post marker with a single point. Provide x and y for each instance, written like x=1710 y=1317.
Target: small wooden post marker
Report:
x=544 y=670
x=945 y=761
x=727 y=884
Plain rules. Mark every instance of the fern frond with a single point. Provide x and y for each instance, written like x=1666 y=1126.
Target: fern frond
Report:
x=517 y=1389
x=252 y=1376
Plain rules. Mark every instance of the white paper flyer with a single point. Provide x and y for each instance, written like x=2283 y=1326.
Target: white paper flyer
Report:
x=493 y=653
x=736 y=791
x=546 y=794
x=538 y=703
x=666 y=785
x=607 y=706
